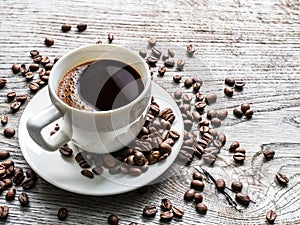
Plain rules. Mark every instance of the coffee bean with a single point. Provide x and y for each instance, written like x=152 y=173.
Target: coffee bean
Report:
x=243 y=199
x=49 y=41
x=110 y=38
x=169 y=63
x=198 y=198
x=34 y=53
x=282 y=179
x=213 y=132
x=177 y=94
x=166 y=204
x=229 y=81
x=2 y=186
x=7 y=163
x=10 y=194
x=29 y=76
x=239 y=157
x=166 y=216
x=62 y=213
x=152 y=41
x=186 y=98
x=190 y=49
x=21 y=98
x=4 y=154
x=33 y=86
x=174 y=134
x=216 y=122
x=249 y=113
x=210 y=98
x=228 y=91
x=197 y=185
x=143 y=53
x=177 y=211
x=4 y=120
x=156 y=52
x=196 y=87
x=28 y=183
x=15 y=68
x=269 y=154
x=23 y=69
x=66 y=27
x=97 y=170
x=220 y=185
x=209 y=158
x=18 y=178
x=199 y=106
x=237 y=112
x=9 y=132
x=23 y=199
x=31 y=174
x=34 y=67
x=2 y=82
x=201 y=208
x=37 y=59
x=4 y=211
x=151 y=60
x=134 y=171
x=197 y=176
x=2 y=170
x=87 y=173
x=113 y=220
x=11 y=95
x=165 y=148
x=161 y=70
x=271 y=216
x=180 y=64
x=45 y=60
x=245 y=107
x=7 y=182
x=81 y=27
x=188 y=82
x=132 y=223
x=222 y=138
x=48 y=66
x=150 y=211
x=165 y=56
x=234 y=145
x=177 y=78
x=222 y=114
x=66 y=151
x=239 y=85
x=189 y=195
x=237 y=186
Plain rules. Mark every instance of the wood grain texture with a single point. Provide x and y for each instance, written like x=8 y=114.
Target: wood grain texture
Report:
x=257 y=41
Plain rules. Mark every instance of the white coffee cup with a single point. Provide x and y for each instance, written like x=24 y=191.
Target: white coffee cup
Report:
x=92 y=131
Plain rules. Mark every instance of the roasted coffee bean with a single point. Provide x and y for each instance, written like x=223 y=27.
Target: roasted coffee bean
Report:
x=198 y=198
x=15 y=68
x=199 y=106
x=237 y=186
x=234 y=145
x=21 y=98
x=152 y=41
x=166 y=216
x=4 y=154
x=240 y=150
x=197 y=176
x=210 y=98
x=245 y=107
x=165 y=56
x=197 y=185
x=211 y=113
x=165 y=148
x=62 y=213
x=23 y=199
x=188 y=82
x=196 y=116
x=143 y=53
x=48 y=66
x=199 y=97
x=239 y=85
x=2 y=186
x=220 y=185
x=151 y=60
x=171 y=53
x=180 y=64
x=269 y=154
x=31 y=174
x=237 y=112
x=271 y=216
x=189 y=195
x=150 y=211
x=177 y=78
x=10 y=194
x=37 y=59
x=249 y=113
x=177 y=211
x=113 y=220
x=282 y=179
x=45 y=60
x=222 y=114
x=177 y=94
x=190 y=48
x=196 y=87
x=66 y=27
x=161 y=70
x=186 y=98
x=243 y=199
x=15 y=106
x=2 y=171
x=110 y=38
x=213 y=132
x=207 y=137
x=34 y=53
x=202 y=143
x=4 y=120
x=201 y=208
x=33 y=86
x=97 y=170
x=7 y=182
x=9 y=132
x=23 y=69
x=166 y=204
x=2 y=82
x=228 y=91
x=134 y=171
x=4 y=211
x=49 y=41
x=198 y=80
x=29 y=76
x=156 y=52
x=185 y=108
x=34 y=67
x=188 y=124
x=229 y=81
x=28 y=183
x=209 y=158
x=11 y=95
x=216 y=122
x=81 y=27
x=239 y=157
x=222 y=138
x=139 y=158
x=132 y=223
x=66 y=151
x=87 y=173
x=174 y=134
x=169 y=63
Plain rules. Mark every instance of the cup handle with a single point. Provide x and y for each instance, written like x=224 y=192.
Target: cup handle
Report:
x=36 y=123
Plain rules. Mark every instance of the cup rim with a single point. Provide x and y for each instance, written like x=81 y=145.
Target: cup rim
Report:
x=52 y=89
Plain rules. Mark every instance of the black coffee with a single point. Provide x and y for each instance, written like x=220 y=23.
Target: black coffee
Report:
x=100 y=85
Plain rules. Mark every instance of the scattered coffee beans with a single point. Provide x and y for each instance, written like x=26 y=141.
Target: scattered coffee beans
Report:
x=201 y=208
x=66 y=27
x=166 y=216
x=269 y=154
x=15 y=68
x=177 y=78
x=271 y=216
x=143 y=53
x=62 y=213
x=113 y=220
x=189 y=195
x=150 y=211
x=198 y=198
x=166 y=204
x=10 y=194
x=238 y=113
x=229 y=81
x=152 y=41
x=243 y=199
x=81 y=27
x=23 y=199
x=9 y=132
x=49 y=41
x=237 y=186
x=282 y=179
x=4 y=211
x=2 y=82
x=228 y=91
x=220 y=184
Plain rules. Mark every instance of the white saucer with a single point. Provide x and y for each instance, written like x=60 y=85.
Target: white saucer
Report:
x=65 y=173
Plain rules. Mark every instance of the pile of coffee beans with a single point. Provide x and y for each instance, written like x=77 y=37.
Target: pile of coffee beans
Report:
x=244 y=110
x=232 y=85
x=239 y=155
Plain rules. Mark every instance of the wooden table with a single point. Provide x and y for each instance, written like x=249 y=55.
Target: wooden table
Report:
x=257 y=41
